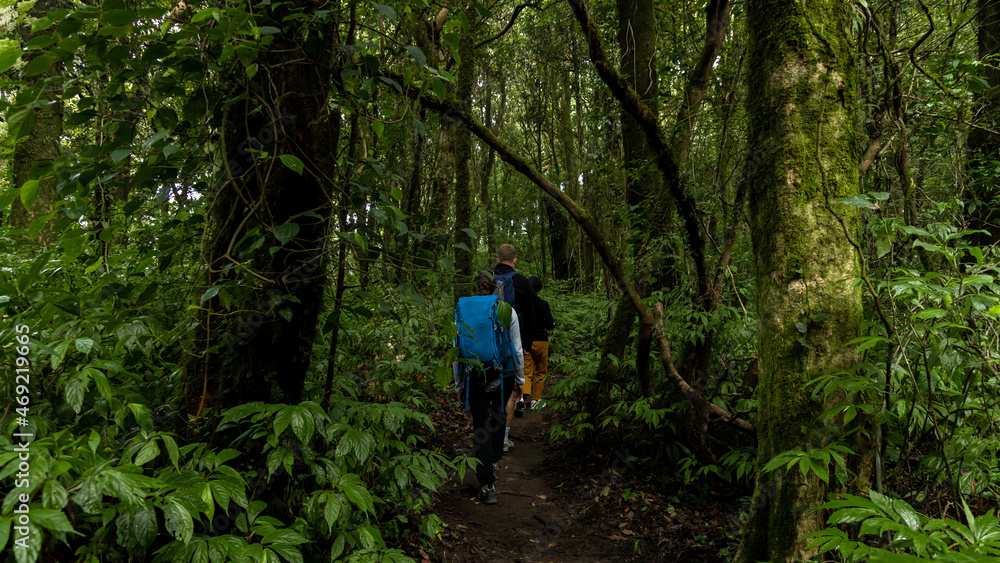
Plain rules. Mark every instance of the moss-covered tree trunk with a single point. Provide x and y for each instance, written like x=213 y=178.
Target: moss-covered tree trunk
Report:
x=637 y=42
x=40 y=144
x=269 y=216
x=464 y=247
x=802 y=107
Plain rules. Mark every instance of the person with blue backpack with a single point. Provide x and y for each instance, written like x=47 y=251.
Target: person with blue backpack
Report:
x=489 y=371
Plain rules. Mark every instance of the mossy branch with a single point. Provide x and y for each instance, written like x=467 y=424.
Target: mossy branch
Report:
x=630 y=101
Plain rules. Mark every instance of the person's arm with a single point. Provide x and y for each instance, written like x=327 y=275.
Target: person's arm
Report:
x=550 y=323
x=456 y=372
x=515 y=340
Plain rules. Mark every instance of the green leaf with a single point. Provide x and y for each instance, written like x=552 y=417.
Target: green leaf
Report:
x=856 y=201
x=850 y=515
x=84 y=345
x=29 y=193
x=303 y=425
x=40 y=64
x=356 y=492
x=282 y=420
x=209 y=293
x=931 y=313
x=147 y=453
x=451 y=39
x=331 y=512
x=144 y=524
x=51 y=519
x=40 y=42
x=293 y=163
x=178 y=521
x=74 y=391
x=21 y=123
x=118 y=18
x=172 y=450
x=269 y=30
x=41 y=24
x=9 y=57
x=388 y=11
x=286 y=232
x=418 y=55
x=440 y=89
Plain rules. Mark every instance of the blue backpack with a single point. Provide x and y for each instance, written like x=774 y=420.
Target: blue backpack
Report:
x=483 y=339
x=505 y=286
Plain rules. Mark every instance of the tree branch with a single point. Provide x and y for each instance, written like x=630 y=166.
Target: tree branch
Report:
x=630 y=101
x=703 y=407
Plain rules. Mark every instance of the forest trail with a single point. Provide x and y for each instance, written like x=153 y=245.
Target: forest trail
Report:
x=534 y=520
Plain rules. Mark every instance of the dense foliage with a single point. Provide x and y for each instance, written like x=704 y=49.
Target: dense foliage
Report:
x=149 y=149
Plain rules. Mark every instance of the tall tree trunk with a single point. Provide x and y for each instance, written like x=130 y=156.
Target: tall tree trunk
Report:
x=984 y=143
x=39 y=144
x=463 y=158
x=637 y=41
x=802 y=106
x=256 y=344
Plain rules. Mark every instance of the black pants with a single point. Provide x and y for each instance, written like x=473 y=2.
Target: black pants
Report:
x=488 y=425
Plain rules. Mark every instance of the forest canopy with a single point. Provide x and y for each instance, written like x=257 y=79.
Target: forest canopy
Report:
x=234 y=234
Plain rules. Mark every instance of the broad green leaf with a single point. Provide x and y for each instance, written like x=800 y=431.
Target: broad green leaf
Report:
x=147 y=453
x=286 y=232
x=40 y=42
x=209 y=293
x=386 y=10
x=282 y=420
x=51 y=519
x=356 y=492
x=29 y=193
x=74 y=391
x=172 y=450
x=84 y=345
x=178 y=521
x=21 y=123
x=40 y=64
x=931 y=313
x=303 y=425
x=850 y=515
x=118 y=18
x=9 y=57
x=418 y=55
x=293 y=163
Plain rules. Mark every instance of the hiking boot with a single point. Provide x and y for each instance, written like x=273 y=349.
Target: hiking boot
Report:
x=508 y=445
x=519 y=408
x=487 y=494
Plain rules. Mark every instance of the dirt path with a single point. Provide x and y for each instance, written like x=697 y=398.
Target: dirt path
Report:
x=534 y=519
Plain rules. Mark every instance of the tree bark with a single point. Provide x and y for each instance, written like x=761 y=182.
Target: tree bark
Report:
x=40 y=144
x=256 y=343
x=463 y=164
x=984 y=143
x=802 y=107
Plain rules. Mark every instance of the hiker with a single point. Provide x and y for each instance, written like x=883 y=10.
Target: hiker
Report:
x=539 y=350
x=484 y=390
x=516 y=287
